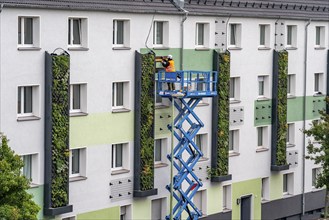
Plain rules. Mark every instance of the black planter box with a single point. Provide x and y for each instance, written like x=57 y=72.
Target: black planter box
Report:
x=140 y=193
x=58 y=211
x=279 y=167
x=219 y=179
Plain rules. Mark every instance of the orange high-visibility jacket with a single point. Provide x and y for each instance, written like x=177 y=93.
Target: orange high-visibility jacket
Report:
x=171 y=66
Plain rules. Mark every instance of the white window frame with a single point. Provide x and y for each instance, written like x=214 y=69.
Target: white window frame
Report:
x=320 y=36
x=125 y=212
x=288 y=184
x=35 y=32
x=205 y=35
x=318 y=83
x=265 y=189
x=227 y=197
x=291 y=135
x=264 y=139
x=34 y=166
x=125 y=95
x=235 y=82
x=264 y=79
x=82 y=96
x=234 y=136
x=125 y=34
x=315 y=172
x=165 y=34
x=125 y=157
x=201 y=195
x=164 y=146
x=234 y=29
x=155 y=209
x=35 y=101
x=83 y=32
x=291 y=41
x=82 y=162
x=264 y=30
x=291 y=85
x=203 y=139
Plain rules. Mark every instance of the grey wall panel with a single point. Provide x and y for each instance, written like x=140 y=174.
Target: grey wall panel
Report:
x=292 y=158
x=315 y=200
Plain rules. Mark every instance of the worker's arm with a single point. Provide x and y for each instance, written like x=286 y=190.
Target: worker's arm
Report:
x=165 y=63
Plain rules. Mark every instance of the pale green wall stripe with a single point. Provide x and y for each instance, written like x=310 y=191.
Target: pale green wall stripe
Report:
x=142 y=209
x=37 y=193
x=248 y=187
x=101 y=128
x=276 y=186
x=102 y=214
x=215 y=201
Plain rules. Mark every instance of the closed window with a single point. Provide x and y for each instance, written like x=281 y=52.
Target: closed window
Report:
x=30 y=168
x=291 y=36
x=291 y=85
x=120 y=92
x=291 y=135
x=121 y=33
x=234 y=141
x=120 y=157
x=199 y=40
x=227 y=197
x=265 y=188
x=78 y=162
x=78 y=98
x=234 y=88
x=28 y=31
x=262 y=137
x=75 y=33
x=263 y=86
x=159 y=209
x=160 y=33
x=27 y=101
x=319 y=36
x=125 y=212
x=27 y=169
x=75 y=162
x=318 y=83
x=235 y=35
x=264 y=35
x=288 y=184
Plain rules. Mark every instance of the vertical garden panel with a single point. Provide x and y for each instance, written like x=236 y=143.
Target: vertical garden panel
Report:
x=57 y=79
x=279 y=111
x=144 y=125
x=220 y=113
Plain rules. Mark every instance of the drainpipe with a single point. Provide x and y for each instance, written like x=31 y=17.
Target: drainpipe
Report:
x=182 y=39
x=304 y=116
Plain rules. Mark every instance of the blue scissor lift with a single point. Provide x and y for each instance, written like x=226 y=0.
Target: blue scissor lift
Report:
x=188 y=90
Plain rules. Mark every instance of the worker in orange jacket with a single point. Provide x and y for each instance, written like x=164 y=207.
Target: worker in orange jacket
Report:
x=169 y=66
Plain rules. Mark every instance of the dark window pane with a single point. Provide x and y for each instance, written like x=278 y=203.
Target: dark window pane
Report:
x=19 y=30
x=77 y=31
x=120 y=32
x=118 y=155
x=159 y=32
x=157 y=150
x=28 y=99
x=200 y=34
x=27 y=169
x=119 y=95
x=76 y=96
x=262 y=35
x=233 y=34
x=19 y=99
x=317 y=36
x=28 y=30
x=75 y=161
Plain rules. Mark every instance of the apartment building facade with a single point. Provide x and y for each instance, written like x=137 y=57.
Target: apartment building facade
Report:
x=102 y=38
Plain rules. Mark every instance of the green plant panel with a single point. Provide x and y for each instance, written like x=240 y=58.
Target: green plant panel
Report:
x=263 y=112
x=60 y=131
x=147 y=122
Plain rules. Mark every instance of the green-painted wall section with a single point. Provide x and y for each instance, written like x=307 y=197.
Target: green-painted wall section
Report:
x=162 y=119
x=244 y=188
x=108 y=214
x=276 y=186
x=142 y=209
x=101 y=128
x=215 y=201
x=37 y=193
x=294 y=112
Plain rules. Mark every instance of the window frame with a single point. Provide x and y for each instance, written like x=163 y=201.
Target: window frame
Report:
x=163 y=152
x=318 y=84
x=165 y=34
x=234 y=141
x=82 y=165
x=291 y=85
x=205 y=35
x=288 y=184
x=34 y=167
x=83 y=33
x=126 y=212
x=291 y=40
x=35 y=101
x=320 y=37
x=125 y=96
x=82 y=99
x=264 y=30
x=263 y=137
x=290 y=135
x=163 y=208
x=125 y=44
x=124 y=154
x=265 y=192
x=234 y=39
x=35 y=33
x=235 y=83
x=227 y=197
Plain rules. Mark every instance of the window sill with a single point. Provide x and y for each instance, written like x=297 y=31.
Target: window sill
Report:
x=265 y=200
x=28 y=118
x=121 y=48
x=77 y=178
x=24 y=48
x=120 y=110
x=161 y=106
x=34 y=185
x=117 y=172
x=291 y=48
x=290 y=145
x=77 y=114
x=233 y=154
x=202 y=48
x=261 y=149
x=159 y=165
x=203 y=159
x=263 y=48
x=286 y=195
x=289 y=96
x=78 y=48
x=227 y=210
x=319 y=48
x=233 y=101
x=260 y=99
x=234 y=48
x=161 y=48
x=201 y=104
x=318 y=94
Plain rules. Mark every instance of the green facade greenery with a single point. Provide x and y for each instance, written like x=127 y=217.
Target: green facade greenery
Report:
x=282 y=108
x=223 y=88
x=147 y=122
x=60 y=131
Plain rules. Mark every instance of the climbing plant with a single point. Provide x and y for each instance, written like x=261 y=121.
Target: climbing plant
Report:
x=223 y=88
x=147 y=122
x=282 y=108
x=60 y=131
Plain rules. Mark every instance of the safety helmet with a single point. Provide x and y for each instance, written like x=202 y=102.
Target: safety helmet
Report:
x=169 y=56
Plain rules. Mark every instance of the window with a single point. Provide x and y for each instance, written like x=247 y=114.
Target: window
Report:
x=319 y=36
x=27 y=101
x=288 y=183
x=318 y=83
x=292 y=36
x=265 y=188
x=121 y=33
x=315 y=173
x=263 y=88
x=234 y=88
x=291 y=135
x=200 y=201
x=125 y=212
x=201 y=35
x=291 y=85
x=158 y=98
x=117 y=162
x=77 y=34
x=78 y=96
x=234 y=141
x=28 y=31
x=235 y=35
x=30 y=167
x=120 y=95
x=201 y=142
x=159 y=209
x=264 y=35
x=78 y=162
x=262 y=137
x=160 y=151
x=160 y=34
x=227 y=197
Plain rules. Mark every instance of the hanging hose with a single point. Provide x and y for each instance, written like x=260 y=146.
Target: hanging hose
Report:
x=148 y=35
